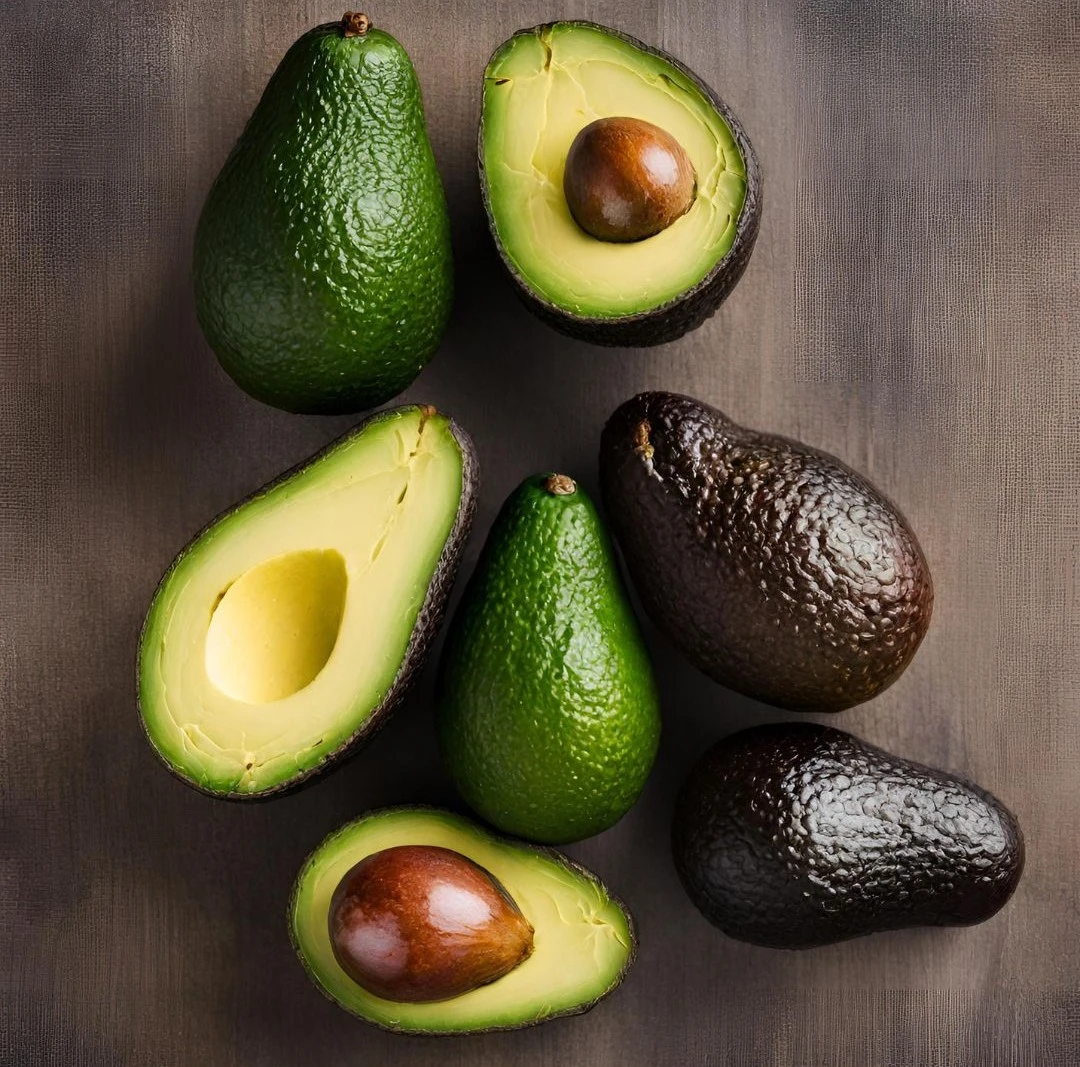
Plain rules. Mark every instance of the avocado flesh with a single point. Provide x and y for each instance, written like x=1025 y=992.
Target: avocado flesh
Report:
x=582 y=940
x=540 y=89
x=282 y=627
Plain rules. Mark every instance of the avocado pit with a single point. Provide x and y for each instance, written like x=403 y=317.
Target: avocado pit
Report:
x=420 y=923
x=627 y=179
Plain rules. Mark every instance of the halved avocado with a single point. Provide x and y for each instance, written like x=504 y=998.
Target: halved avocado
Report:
x=583 y=936
x=284 y=633
x=541 y=88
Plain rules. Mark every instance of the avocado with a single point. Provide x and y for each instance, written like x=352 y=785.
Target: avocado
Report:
x=607 y=247
x=323 y=273
x=773 y=567
x=794 y=835
x=282 y=636
x=548 y=714
x=583 y=941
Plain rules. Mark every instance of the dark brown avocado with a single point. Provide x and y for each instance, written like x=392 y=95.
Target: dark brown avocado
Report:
x=794 y=835
x=772 y=566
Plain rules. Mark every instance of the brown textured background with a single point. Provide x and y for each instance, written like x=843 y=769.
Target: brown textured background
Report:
x=912 y=306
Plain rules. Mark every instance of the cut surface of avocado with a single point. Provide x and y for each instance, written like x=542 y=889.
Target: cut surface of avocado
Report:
x=540 y=89
x=582 y=937
x=282 y=628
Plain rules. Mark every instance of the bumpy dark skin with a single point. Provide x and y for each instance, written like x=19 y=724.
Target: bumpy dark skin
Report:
x=794 y=835
x=773 y=567
x=323 y=271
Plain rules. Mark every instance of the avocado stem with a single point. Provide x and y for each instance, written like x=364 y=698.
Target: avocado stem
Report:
x=355 y=24
x=560 y=485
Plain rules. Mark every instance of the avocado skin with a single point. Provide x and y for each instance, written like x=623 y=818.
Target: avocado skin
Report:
x=739 y=545
x=510 y=842
x=323 y=271
x=690 y=309
x=549 y=716
x=794 y=835
x=428 y=620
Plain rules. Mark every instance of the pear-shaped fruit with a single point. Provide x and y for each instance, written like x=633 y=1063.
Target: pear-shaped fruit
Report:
x=323 y=274
x=793 y=835
x=548 y=712
x=417 y=923
x=772 y=566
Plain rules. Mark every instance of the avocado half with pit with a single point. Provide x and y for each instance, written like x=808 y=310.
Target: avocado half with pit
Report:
x=547 y=91
x=282 y=636
x=583 y=936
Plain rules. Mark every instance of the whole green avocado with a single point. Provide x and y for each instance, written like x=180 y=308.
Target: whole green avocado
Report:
x=773 y=567
x=548 y=712
x=793 y=835
x=323 y=271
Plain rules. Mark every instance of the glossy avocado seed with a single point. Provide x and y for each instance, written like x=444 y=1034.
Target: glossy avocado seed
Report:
x=626 y=179
x=418 y=923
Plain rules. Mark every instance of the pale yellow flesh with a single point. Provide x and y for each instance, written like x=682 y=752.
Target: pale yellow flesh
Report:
x=539 y=92
x=284 y=625
x=581 y=940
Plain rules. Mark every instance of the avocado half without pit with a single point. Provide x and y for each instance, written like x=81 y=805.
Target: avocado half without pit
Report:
x=623 y=195
x=420 y=921
x=282 y=636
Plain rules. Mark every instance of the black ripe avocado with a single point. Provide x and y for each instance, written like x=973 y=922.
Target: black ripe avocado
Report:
x=771 y=566
x=583 y=944
x=323 y=273
x=624 y=261
x=793 y=835
x=283 y=635
x=548 y=713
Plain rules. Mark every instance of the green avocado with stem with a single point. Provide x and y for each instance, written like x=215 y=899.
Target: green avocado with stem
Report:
x=548 y=713
x=323 y=271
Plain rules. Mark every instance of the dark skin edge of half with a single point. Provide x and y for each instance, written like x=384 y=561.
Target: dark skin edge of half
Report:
x=504 y=840
x=691 y=308
x=428 y=620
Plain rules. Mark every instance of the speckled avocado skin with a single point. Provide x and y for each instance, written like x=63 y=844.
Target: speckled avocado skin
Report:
x=548 y=712
x=323 y=273
x=794 y=835
x=773 y=567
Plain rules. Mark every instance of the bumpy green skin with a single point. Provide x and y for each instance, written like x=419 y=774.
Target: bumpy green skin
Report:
x=323 y=272
x=548 y=712
x=794 y=835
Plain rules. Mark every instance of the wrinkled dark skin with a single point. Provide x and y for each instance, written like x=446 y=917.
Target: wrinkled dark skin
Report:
x=773 y=567
x=794 y=835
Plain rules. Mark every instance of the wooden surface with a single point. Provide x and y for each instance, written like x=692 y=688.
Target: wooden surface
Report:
x=912 y=306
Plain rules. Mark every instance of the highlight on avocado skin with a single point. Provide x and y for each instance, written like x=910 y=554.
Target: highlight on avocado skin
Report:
x=284 y=634
x=323 y=268
x=548 y=712
x=559 y=939
x=637 y=234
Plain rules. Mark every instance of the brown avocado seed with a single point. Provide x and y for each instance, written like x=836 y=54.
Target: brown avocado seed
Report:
x=419 y=923
x=627 y=179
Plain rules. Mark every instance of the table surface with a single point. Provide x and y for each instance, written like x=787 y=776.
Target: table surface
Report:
x=911 y=306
